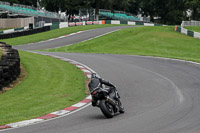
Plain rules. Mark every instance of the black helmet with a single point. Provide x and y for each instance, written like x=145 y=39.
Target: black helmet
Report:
x=94 y=75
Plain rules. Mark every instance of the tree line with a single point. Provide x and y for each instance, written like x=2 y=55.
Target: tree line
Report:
x=162 y=11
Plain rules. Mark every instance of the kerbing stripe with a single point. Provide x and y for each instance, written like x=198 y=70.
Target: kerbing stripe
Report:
x=48 y=116
x=71 y=108
x=4 y=127
x=79 y=105
x=79 y=66
x=86 y=101
x=24 y=123
x=87 y=71
x=60 y=112
x=65 y=60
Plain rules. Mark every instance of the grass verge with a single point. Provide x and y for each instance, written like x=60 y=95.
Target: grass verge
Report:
x=149 y=41
x=50 y=85
x=193 y=28
x=51 y=34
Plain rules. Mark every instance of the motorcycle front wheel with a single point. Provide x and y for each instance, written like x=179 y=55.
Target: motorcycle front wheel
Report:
x=106 y=108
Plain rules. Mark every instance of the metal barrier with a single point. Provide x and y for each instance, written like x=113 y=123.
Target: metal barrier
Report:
x=190 y=23
x=24 y=32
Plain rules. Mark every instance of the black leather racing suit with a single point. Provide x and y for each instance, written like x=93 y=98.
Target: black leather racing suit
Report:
x=97 y=83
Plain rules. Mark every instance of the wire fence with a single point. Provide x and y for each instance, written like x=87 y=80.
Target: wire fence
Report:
x=190 y=23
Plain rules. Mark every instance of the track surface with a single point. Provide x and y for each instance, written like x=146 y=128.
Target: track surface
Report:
x=160 y=96
x=69 y=40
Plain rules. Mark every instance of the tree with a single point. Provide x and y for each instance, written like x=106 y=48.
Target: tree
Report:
x=168 y=11
x=194 y=5
x=11 y=1
x=148 y=8
x=29 y=2
x=133 y=7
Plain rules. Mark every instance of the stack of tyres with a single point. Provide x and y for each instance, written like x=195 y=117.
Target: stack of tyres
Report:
x=25 y=32
x=9 y=65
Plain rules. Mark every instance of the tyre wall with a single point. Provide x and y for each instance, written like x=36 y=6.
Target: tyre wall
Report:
x=24 y=32
x=187 y=32
x=9 y=65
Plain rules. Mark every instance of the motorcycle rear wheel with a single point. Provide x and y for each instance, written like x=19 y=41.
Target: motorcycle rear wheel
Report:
x=106 y=109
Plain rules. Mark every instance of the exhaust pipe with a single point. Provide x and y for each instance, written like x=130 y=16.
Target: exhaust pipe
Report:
x=111 y=101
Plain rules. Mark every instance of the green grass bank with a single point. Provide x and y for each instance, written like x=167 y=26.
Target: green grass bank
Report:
x=193 y=28
x=51 y=34
x=51 y=85
x=148 y=41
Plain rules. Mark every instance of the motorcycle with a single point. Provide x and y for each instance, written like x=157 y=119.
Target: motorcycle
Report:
x=109 y=103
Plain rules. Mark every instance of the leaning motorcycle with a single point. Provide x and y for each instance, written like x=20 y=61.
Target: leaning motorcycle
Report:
x=109 y=103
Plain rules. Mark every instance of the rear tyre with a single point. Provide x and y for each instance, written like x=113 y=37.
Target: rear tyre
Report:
x=106 y=109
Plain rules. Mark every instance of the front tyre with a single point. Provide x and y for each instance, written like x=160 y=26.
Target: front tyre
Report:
x=121 y=108
x=106 y=109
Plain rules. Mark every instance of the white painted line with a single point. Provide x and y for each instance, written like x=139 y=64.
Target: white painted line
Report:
x=24 y=123
x=73 y=62
x=51 y=39
x=79 y=105
x=87 y=71
x=100 y=35
x=79 y=66
x=61 y=37
x=177 y=90
x=57 y=37
x=60 y=112
x=88 y=39
x=65 y=60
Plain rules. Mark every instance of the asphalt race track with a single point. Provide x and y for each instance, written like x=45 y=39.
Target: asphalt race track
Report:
x=71 y=39
x=159 y=96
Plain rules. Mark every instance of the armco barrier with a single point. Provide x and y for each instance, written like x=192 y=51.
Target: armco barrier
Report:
x=72 y=24
x=24 y=32
x=56 y=25
x=129 y=23
x=9 y=65
x=123 y=22
x=187 y=32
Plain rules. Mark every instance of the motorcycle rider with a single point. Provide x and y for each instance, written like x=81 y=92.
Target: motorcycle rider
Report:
x=97 y=82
